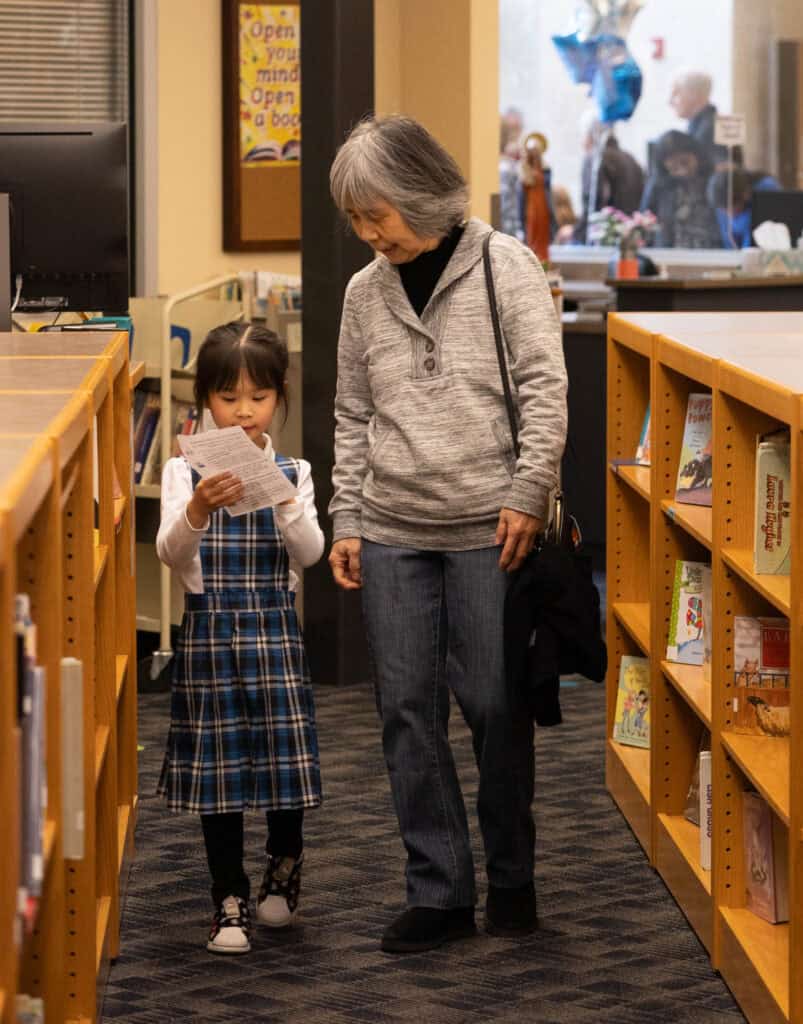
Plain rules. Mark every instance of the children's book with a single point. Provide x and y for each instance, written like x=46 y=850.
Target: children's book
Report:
x=691 y=812
x=761 y=674
x=773 y=504
x=632 y=720
x=643 y=449
x=686 y=623
x=766 y=860
x=706 y=810
x=695 y=468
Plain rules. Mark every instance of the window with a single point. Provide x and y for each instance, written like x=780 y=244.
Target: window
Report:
x=64 y=60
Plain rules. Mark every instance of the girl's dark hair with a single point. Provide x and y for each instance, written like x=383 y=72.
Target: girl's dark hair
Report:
x=231 y=348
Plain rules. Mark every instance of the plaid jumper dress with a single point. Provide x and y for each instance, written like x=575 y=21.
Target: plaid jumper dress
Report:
x=242 y=725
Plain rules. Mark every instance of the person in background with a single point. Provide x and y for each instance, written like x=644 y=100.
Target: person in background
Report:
x=736 y=231
x=432 y=511
x=536 y=201
x=242 y=721
x=562 y=208
x=619 y=180
x=690 y=98
x=676 y=194
x=509 y=181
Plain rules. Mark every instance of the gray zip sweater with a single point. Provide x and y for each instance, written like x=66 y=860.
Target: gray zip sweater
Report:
x=423 y=451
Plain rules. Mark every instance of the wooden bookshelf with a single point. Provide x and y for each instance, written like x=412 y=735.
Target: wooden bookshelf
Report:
x=67 y=541
x=751 y=365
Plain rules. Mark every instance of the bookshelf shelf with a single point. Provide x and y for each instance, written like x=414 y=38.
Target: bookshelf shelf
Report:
x=101 y=557
x=766 y=946
x=148 y=490
x=694 y=519
x=686 y=838
x=120 y=675
x=102 y=733
x=60 y=450
x=635 y=617
x=765 y=761
x=751 y=368
x=637 y=477
x=689 y=682
x=775 y=589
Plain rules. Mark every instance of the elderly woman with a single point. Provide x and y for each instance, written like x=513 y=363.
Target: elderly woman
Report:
x=433 y=512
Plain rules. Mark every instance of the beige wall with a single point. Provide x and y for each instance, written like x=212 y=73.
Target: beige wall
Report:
x=439 y=62
x=190 y=221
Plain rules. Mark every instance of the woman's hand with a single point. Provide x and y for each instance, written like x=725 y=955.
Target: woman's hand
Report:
x=344 y=561
x=213 y=492
x=516 y=531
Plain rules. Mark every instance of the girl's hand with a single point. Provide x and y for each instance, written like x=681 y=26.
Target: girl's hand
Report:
x=213 y=492
x=344 y=561
x=517 y=532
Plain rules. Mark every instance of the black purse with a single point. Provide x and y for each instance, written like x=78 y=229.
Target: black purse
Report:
x=562 y=528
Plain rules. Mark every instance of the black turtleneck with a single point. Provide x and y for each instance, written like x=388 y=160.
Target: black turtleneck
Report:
x=420 y=275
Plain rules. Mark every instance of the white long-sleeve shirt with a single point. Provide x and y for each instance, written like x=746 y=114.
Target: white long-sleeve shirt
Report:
x=178 y=541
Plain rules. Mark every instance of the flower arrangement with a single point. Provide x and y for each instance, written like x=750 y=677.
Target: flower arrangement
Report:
x=610 y=226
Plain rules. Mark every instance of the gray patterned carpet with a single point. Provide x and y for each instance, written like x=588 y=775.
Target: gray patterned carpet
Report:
x=612 y=945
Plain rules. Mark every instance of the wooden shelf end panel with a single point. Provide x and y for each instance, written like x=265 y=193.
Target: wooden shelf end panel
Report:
x=628 y=780
x=754 y=961
x=677 y=859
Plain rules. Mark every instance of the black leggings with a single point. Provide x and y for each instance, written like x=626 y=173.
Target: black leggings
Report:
x=223 y=836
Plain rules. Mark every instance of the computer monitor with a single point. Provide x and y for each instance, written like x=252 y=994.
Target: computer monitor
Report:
x=785 y=207
x=68 y=191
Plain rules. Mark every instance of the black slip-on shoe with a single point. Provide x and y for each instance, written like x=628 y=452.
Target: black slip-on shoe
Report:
x=511 y=911
x=422 y=928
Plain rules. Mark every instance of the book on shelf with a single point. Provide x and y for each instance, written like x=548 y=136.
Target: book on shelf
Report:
x=695 y=468
x=761 y=700
x=766 y=860
x=643 y=448
x=688 y=615
x=31 y=692
x=144 y=432
x=72 y=758
x=632 y=718
x=29 y=1009
x=708 y=623
x=706 y=810
x=691 y=812
x=771 y=549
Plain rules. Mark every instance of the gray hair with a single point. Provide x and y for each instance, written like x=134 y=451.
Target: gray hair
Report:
x=696 y=82
x=394 y=159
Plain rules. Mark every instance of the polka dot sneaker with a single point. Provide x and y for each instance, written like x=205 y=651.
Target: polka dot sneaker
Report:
x=231 y=927
x=278 y=896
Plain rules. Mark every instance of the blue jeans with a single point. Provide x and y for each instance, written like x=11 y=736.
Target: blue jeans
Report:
x=434 y=621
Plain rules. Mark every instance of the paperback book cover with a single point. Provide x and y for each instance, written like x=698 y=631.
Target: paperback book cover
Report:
x=691 y=812
x=643 y=449
x=766 y=860
x=761 y=673
x=687 y=620
x=632 y=720
x=773 y=505
x=695 y=468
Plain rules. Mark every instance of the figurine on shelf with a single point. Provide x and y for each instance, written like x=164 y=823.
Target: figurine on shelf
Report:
x=535 y=188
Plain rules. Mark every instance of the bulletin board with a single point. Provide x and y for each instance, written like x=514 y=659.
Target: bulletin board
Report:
x=261 y=125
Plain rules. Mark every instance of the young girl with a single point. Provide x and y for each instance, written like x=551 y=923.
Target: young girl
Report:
x=242 y=732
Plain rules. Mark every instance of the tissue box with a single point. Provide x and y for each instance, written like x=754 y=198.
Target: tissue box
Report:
x=772 y=262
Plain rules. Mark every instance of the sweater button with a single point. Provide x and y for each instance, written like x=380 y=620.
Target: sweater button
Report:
x=429 y=365
x=430 y=346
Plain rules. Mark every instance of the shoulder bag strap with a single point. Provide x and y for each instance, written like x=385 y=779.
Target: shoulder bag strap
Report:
x=557 y=510
x=500 y=346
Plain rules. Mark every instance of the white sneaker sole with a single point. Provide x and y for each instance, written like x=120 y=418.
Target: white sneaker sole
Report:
x=230 y=950
x=274 y=917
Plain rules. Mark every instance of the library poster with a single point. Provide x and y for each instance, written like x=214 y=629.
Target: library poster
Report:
x=262 y=125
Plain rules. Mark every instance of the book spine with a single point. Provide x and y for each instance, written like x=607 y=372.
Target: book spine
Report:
x=706 y=810
x=72 y=758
